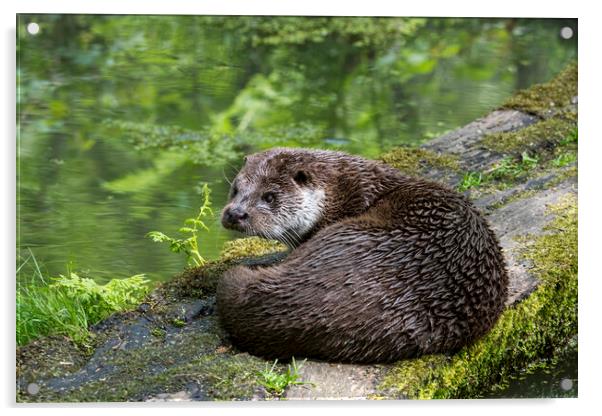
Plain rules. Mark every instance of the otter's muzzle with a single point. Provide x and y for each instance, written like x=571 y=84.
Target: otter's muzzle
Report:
x=234 y=218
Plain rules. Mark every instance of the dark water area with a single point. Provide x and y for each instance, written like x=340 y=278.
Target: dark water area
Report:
x=121 y=118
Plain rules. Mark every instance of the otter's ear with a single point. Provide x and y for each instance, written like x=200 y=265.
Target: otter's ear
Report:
x=301 y=177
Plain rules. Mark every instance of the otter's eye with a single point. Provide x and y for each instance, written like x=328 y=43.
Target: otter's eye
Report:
x=268 y=197
x=234 y=191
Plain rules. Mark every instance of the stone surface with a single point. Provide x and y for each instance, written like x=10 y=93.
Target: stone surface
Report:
x=336 y=381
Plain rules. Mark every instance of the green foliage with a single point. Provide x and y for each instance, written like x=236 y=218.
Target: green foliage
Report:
x=470 y=180
x=276 y=381
x=511 y=168
x=67 y=305
x=564 y=159
x=189 y=245
x=361 y=32
x=525 y=334
x=178 y=323
x=101 y=300
x=572 y=137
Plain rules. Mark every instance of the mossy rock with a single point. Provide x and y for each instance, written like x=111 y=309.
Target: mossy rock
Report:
x=538 y=139
x=249 y=247
x=544 y=100
x=412 y=160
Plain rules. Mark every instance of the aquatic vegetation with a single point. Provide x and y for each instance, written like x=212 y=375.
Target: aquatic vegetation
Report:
x=276 y=381
x=189 y=245
x=69 y=304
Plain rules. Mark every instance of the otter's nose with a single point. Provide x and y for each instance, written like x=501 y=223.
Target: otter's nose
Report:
x=234 y=216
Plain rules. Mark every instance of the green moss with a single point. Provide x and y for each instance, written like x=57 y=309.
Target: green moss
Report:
x=543 y=99
x=248 y=247
x=52 y=356
x=565 y=173
x=224 y=377
x=158 y=367
x=194 y=282
x=546 y=134
x=178 y=323
x=411 y=160
x=158 y=332
x=525 y=333
x=231 y=377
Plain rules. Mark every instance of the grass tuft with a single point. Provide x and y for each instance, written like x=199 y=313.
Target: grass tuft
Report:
x=276 y=382
x=68 y=305
x=470 y=180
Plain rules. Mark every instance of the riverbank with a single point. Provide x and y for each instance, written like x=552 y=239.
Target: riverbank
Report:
x=518 y=164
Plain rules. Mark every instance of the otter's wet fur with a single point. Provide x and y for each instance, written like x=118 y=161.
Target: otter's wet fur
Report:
x=383 y=266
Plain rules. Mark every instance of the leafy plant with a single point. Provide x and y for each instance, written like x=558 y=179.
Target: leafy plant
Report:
x=564 y=159
x=189 y=245
x=100 y=301
x=510 y=168
x=276 y=381
x=67 y=305
x=470 y=180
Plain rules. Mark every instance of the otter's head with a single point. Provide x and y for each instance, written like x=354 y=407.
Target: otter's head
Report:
x=275 y=195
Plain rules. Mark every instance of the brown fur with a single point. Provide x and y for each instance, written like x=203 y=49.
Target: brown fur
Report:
x=394 y=267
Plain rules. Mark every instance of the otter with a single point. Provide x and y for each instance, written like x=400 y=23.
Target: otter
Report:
x=382 y=266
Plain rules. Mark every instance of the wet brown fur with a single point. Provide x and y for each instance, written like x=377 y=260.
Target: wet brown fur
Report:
x=395 y=267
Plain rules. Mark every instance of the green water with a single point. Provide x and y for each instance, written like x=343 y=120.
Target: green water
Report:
x=121 y=117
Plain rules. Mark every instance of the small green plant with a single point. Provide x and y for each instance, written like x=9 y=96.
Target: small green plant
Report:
x=470 y=180
x=189 y=245
x=68 y=304
x=275 y=382
x=564 y=159
x=158 y=332
x=509 y=168
x=178 y=323
x=528 y=162
x=571 y=138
